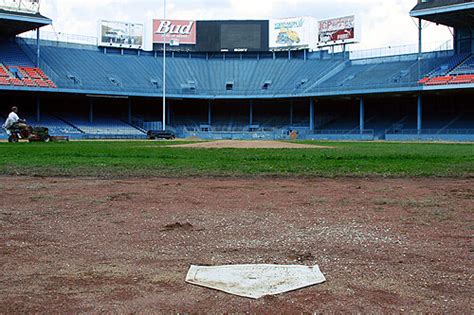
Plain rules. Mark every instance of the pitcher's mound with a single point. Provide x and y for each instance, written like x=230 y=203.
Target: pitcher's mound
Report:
x=242 y=144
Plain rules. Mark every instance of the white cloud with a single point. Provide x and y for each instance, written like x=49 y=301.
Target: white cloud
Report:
x=383 y=23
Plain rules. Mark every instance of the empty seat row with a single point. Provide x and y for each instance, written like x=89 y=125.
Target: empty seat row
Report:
x=467 y=67
x=448 y=79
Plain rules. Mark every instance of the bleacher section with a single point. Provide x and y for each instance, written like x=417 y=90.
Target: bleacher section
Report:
x=227 y=78
x=458 y=70
x=363 y=76
x=225 y=74
x=17 y=69
x=56 y=126
x=24 y=76
x=101 y=126
x=12 y=55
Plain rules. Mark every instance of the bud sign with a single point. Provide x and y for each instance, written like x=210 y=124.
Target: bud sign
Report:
x=174 y=30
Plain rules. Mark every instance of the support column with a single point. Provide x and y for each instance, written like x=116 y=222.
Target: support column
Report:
x=129 y=111
x=37 y=47
x=38 y=109
x=420 y=36
x=419 y=121
x=291 y=112
x=168 y=112
x=361 y=116
x=209 y=113
x=311 y=114
x=91 y=111
x=251 y=113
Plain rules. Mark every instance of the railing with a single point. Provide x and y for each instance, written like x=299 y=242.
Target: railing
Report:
x=62 y=38
x=400 y=50
x=432 y=131
x=228 y=129
x=342 y=132
x=66 y=38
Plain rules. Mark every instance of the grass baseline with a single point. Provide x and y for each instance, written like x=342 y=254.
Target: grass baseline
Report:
x=156 y=158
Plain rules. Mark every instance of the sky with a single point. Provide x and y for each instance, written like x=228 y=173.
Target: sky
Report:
x=384 y=23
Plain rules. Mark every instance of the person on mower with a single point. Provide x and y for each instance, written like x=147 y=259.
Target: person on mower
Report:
x=13 y=120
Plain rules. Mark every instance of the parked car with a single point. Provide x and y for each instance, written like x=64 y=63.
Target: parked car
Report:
x=161 y=134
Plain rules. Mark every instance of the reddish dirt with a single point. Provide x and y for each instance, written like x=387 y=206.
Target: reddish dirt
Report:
x=89 y=245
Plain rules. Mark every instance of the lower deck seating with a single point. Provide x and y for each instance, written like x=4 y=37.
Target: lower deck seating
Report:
x=56 y=126
x=102 y=126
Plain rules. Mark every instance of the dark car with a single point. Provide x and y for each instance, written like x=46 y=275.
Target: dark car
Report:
x=161 y=134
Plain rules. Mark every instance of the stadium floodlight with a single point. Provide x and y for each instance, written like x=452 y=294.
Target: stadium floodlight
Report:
x=26 y=6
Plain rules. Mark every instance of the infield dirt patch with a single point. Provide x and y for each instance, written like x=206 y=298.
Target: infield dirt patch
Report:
x=243 y=144
x=84 y=245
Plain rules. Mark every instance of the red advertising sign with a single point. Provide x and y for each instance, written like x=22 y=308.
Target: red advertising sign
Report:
x=338 y=30
x=180 y=31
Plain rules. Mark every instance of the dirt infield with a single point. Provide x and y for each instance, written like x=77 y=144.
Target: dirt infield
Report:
x=90 y=245
x=243 y=144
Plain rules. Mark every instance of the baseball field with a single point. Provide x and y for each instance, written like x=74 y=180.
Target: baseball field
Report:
x=113 y=226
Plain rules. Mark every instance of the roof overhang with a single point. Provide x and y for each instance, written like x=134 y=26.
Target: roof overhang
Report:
x=461 y=14
x=442 y=9
x=14 y=23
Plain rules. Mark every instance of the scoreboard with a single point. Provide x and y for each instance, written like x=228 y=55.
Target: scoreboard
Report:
x=227 y=36
x=244 y=36
x=238 y=36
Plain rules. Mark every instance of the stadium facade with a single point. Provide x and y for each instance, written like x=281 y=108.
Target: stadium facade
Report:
x=224 y=81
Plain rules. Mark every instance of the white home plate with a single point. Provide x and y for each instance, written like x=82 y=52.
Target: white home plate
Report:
x=255 y=281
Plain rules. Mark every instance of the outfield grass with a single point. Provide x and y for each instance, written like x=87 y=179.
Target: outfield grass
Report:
x=141 y=158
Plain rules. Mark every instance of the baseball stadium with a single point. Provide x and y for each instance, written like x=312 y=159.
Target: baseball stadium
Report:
x=142 y=154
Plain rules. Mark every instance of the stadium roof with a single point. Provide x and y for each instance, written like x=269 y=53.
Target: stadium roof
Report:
x=455 y=13
x=14 y=23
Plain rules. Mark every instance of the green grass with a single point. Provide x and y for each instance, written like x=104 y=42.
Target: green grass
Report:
x=141 y=158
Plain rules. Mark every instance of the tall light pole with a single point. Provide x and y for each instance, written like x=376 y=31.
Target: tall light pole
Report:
x=164 y=69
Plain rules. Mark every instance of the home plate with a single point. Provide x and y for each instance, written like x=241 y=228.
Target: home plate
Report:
x=255 y=281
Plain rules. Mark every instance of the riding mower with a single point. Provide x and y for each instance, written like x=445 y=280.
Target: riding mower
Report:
x=23 y=131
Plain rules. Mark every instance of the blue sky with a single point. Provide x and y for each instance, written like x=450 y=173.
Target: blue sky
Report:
x=383 y=23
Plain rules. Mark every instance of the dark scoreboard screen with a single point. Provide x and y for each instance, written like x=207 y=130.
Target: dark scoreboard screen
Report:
x=232 y=36
x=241 y=36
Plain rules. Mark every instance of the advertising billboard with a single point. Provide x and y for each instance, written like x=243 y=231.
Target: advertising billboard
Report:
x=341 y=30
x=174 y=31
x=298 y=32
x=121 y=34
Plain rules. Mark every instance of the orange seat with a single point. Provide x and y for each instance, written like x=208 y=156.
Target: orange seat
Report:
x=424 y=80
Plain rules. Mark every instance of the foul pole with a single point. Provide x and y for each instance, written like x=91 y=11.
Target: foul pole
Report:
x=164 y=70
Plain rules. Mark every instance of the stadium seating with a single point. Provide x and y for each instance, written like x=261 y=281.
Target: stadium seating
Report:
x=200 y=75
x=466 y=67
x=439 y=80
x=101 y=126
x=12 y=55
x=24 y=76
x=465 y=78
x=450 y=64
x=18 y=70
x=56 y=126
x=458 y=70
x=93 y=70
